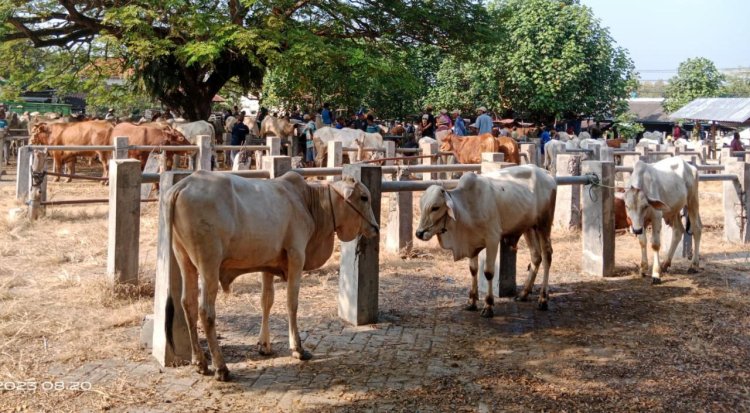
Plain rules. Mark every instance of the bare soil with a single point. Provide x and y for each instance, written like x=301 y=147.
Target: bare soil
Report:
x=616 y=344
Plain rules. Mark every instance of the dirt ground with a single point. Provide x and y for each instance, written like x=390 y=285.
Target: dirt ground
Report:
x=616 y=344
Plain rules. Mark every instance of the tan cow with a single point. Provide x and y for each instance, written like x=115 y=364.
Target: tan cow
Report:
x=660 y=191
x=280 y=227
x=483 y=210
x=509 y=148
x=149 y=134
x=279 y=127
x=468 y=149
x=87 y=133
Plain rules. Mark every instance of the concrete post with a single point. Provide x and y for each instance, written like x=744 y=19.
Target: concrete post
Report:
x=492 y=161
x=568 y=209
x=725 y=155
x=390 y=151
x=121 y=147
x=737 y=198
x=124 y=221
x=171 y=339
x=23 y=173
x=398 y=238
x=359 y=268
x=430 y=149
x=275 y=145
x=504 y=280
x=598 y=236
x=277 y=165
x=335 y=157
x=152 y=166
x=631 y=144
x=203 y=159
x=37 y=186
x=606 y=154
x=530 y=150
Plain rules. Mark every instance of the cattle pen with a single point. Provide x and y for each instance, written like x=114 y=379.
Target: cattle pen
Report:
x=494 y=343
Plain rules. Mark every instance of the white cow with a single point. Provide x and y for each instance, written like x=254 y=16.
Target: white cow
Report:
x=370 y=141
x=191 y=130
x=551 y=149
x=280 y=127
x=347 y=136
x=483 y=210
x=222 y=226
x=660 y=191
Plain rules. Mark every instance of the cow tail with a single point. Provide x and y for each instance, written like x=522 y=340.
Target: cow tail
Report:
x=166 y=219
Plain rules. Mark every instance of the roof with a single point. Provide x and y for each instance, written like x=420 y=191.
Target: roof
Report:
x=731 y=110
x=648 y=110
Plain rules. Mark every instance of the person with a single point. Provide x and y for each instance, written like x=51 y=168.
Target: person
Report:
x=360 y=123
x=236 y=111
x=514 y=133
x=484 y=121
x=504 y=131
x=340 y=123
x=676 y=132
x=545 y=137
x=227 y=114
x=239 y=133
x=327 y=115
x=736 y=145
x=443 y=121
x=110 y=114
x=459 y=127
x=428 y=123
x=371 y=126
x=3 y=124
x=309 y=131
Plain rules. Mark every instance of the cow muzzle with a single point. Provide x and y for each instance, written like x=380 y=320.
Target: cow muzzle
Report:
x=420 y=234
x=638 y=231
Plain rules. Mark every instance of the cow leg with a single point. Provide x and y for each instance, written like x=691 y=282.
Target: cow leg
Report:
x=105 y=165
x=536 y=259
x=190 y=307
x=474 y=291
x=678 y=231
x=207 y=311
x=71 y=168
x=643 y=242
x=696 y=227
x=655 y=247
x=266 y=302
x=57 y=165
x=546 y=249
x=489 y=273
x=294 y=276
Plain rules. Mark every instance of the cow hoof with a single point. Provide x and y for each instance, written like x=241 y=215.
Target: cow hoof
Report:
x=543 y=306
x=304 y=355
x=265 y=350
x=471 y=307
x=523 y=297
x=693 y=270
x=222 y=374
x=487 y=312
x=202 y=367
x=655 y=281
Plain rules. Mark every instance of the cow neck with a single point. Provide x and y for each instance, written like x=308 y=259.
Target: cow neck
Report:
x=320 y=246
x=456 y=144
x=321 y=210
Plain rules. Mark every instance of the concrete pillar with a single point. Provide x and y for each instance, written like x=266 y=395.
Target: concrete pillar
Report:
x=335 y=157
x=606 y=154
x=390 y=151
x=725 y=156
x=203 y=158
x=736 y=221
x=171 y=339
x=152 y=166
x=598 y=220
x=430 y=149
x=398 y=238
x=568 y=208
x=359 y=268
x=37 y=184
x=531 y=153
x=277 y=165
x=121 y=147
x=275 y=145
x=493 y=161
x=504 y=279
x=23 y=173
x=124 y=221
x=631 y=144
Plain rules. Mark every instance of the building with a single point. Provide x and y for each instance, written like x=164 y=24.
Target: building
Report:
x=651 y=114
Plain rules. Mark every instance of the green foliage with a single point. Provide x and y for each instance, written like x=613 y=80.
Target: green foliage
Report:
x=655 y=89
x=696 y=78
x=627 y=127
x=736 y=86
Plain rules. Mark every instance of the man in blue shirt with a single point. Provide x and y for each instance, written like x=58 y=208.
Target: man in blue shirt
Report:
x=484 y=121
x=239 y=133
x=545 y=137
x=459 y=128
x=326 y=115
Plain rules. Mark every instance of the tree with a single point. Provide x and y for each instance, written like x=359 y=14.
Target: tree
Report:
x=183 y=52
x=561 y=62
x=736 y=86
x=697 y=77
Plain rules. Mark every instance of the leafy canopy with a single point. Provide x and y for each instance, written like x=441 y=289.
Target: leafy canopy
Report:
x=696 y=78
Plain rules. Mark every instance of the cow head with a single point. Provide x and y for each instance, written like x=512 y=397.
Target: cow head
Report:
x=174 y=137
x=40 y=134
x=288 y=128
x=446 y=144
x=639 y=203
x=352 y=211
x=436 y=208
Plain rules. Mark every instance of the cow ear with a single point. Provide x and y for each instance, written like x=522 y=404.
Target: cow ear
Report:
x=657 y=204
x=348 y=191
x=449 y=203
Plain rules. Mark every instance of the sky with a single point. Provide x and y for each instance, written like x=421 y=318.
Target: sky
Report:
x=659 y=34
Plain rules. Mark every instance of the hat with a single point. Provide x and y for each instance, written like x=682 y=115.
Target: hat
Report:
x=111 y=110
x=425 y=116
x=456 y=112
x=443 y=111
x=482 y=109
x=306 y=117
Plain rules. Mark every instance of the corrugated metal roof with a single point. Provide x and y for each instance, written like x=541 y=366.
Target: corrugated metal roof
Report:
x=734 y=110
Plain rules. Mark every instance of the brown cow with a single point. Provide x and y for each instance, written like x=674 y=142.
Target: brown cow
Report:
x=76 y=133
x=151 y=135
x=615 y=143
x=468 y=149
x=510 y=149
x=397 y=130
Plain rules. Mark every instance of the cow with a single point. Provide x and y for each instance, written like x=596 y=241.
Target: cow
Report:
x=370 y=141
x=660 y=191
x=483 y=210
x=149 y=134
x=279 y=227
x=468 y=149
x=347 y=136
x=68 y=134
x=279 y=127
x=510 y=149
x=191 y=130
x=397 y=130
x=551 y=150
